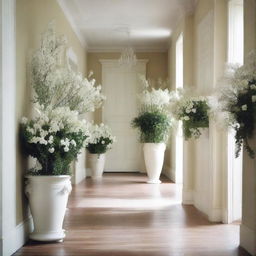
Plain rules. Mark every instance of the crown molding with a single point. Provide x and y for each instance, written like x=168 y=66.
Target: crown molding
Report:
x=73 y=25
x=119 y=49
x=111 y=61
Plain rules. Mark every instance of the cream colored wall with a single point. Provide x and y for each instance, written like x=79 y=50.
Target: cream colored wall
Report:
x=195 y=176
x=185 y=28
x=248 y=227
x=32 y=19
x=157 y=67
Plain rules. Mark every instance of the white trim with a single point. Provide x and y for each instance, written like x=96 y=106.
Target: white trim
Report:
x=73 y=25
x=188 y=197
x=215 y=215
x=17 y=237
x=248 y=239
x=121 y=171
x=88 y=172
x=170 y=173
x=119 y=49
x=113 y=62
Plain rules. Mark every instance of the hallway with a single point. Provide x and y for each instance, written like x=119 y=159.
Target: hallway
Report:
x=122 y=215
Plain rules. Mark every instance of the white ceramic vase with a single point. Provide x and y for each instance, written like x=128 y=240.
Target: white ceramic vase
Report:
x=154 y=159
x=97 y=163
x=48 y=197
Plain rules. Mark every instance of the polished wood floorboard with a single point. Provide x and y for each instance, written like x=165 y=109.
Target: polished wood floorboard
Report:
x=123 y=216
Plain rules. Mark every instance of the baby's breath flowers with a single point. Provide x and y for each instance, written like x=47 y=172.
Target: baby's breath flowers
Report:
x=54 y=138
x=237 y=99
x=193 y=112
x=100 y=139
x=154 y=121
x=55 y=84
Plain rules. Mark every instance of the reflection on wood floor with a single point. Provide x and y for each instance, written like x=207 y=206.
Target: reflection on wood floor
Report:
x=122 y=215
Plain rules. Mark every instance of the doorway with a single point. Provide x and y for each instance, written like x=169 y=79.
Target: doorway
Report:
x=120 y=86
x=235 y=56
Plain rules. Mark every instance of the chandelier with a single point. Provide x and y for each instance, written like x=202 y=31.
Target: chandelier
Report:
x=128 y=57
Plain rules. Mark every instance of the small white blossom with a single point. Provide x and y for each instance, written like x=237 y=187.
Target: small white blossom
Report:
x=66 y=149
x=244 y=107
x=72 y=142
x=51 y=150
x=254 y=98
x=186 y=118
x=24 y=120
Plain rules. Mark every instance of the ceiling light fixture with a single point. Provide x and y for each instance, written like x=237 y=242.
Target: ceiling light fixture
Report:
x=128 y=57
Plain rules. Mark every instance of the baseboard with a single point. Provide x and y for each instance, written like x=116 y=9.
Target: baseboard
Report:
x=88 y=172
x=80 y=175
x=188 y=197
x=169 y=173
x=248 y=239
x=16 y=237
x=215 y=215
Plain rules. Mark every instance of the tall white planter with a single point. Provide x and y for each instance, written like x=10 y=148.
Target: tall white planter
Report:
x=154 y=159
x=48 y=197
x=97 y=164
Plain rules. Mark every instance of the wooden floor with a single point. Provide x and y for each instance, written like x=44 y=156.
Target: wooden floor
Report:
x=122 y=215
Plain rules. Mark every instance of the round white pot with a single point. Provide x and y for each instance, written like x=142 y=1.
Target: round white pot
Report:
x=97 y=163
x=154 y=159
x=48 y=197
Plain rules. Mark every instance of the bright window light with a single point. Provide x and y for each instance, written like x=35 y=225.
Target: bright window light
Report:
x=157 y=33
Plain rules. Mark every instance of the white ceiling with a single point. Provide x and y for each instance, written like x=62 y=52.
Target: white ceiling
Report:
x=103 y=24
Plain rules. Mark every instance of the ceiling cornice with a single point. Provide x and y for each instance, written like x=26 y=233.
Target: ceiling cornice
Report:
x=98 y=49
x=73 y=25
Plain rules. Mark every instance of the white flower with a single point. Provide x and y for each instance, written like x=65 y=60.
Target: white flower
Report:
x=50 y=140
x=98 y=134
x=194 y=110
x=253 y=98
x=51 y=150
x=186 y=118
x=244 y=107
x=253 y=86
x=64 y=87
x=72 y=142
x=66 y=149
x=43 y=141
x=24 y=120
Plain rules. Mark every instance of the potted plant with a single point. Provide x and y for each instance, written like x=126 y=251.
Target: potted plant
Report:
x=237 y=103
x=99 y=141
x=193 y=112
x=154 y=124
x=55 y=135
x=54 y=138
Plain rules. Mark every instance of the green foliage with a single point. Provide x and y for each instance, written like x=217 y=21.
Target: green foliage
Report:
x=100 y=147
x=58 y=162
x=198 y=119
x=154 y=126
x=244 y=118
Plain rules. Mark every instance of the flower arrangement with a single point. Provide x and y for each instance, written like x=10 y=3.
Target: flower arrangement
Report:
x=237 y=100
x=100 y=139
x=54 y=138
x=193 y=112
x=55 y=84
x=153 y=120
x=56 y=135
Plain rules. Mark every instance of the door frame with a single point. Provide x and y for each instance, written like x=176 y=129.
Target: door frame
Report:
x=108 y=63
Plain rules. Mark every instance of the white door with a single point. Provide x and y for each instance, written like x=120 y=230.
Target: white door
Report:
x=121 y=85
